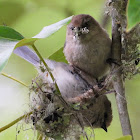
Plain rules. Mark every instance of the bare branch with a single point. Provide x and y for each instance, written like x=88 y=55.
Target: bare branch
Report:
x=118 y=13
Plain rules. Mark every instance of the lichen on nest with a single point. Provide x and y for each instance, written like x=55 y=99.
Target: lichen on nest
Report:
x=57 y=119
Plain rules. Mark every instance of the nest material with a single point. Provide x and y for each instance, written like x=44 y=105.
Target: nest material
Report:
x=130 y=40
x=56 y=118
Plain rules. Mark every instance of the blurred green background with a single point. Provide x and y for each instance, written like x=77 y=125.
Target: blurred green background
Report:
x=28 y=17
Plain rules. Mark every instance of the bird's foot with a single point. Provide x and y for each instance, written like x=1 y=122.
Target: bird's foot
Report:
x=113 y=61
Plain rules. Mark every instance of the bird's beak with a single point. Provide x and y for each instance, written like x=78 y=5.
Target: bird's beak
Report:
x=79 y=31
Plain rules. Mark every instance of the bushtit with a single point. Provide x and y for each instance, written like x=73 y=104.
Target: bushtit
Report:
x=72 y=85
x=87 y=46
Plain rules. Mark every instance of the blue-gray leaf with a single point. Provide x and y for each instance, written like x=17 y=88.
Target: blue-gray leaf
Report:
x=6 y=49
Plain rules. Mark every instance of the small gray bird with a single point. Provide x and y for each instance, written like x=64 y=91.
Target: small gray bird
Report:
x=72 y=85
x=87 y=46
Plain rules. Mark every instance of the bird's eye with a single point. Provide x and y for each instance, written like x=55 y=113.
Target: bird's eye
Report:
x=85 y=30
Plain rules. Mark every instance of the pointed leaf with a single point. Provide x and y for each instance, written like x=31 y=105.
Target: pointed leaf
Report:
x=45 y=32
x=9 y=33
x=8 y=40
x=58 y=56
x=6 y=49
x=8 y=37
x=133 y=12
x=125 y=138
x=49 y=30
x=26 y=41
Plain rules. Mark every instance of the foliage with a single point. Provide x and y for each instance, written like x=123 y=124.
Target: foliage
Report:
x=9 y=37
x=29 y=16
x=125 y=138
x=133 y=12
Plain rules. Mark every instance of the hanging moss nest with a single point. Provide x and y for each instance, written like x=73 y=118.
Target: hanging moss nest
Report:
x=60 y=118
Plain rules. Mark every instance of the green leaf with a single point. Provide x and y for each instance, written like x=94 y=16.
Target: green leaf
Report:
x=8 y=37
x=26 y=41
x=128 y=137
x=6 y=49
x=49 y=30
x=58 y=56
x=45 y=32
x=133 y=12
x=8 y=40
x=9 y=33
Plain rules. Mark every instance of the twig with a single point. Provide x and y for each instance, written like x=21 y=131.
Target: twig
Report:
x=40 y=137
x=118 y=13
x=14 y=122
x=46 y=66
x=78 y=116
x=11 y=77
x=39 y=55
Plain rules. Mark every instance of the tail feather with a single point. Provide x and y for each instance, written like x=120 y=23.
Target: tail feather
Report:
x=27 y=54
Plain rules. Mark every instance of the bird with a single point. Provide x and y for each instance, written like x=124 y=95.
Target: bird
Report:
x=72 y=85
x=87 y=46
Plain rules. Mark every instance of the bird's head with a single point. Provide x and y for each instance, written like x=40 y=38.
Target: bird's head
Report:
x=82 y=26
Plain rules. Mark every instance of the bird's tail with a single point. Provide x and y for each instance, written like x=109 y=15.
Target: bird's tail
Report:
x=27 y=54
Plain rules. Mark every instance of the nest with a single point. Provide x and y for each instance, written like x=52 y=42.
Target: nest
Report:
x=59 y=117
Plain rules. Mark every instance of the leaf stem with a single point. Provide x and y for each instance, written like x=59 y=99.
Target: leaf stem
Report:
x=14 y=122
x=11 y=77
x=40 y=137
x=41 y=58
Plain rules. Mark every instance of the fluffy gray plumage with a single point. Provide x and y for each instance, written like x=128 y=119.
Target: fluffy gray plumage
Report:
x=72 y=85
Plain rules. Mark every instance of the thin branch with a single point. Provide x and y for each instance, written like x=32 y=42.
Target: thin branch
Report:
x=57 y=88
x=14 y=122
x=41 y=58
x=69 y=108
x=118 y=13
x=11 y=77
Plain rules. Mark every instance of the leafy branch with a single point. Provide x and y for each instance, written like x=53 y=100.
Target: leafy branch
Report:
x=11 y=39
